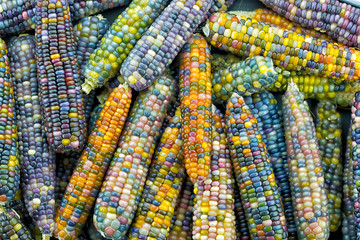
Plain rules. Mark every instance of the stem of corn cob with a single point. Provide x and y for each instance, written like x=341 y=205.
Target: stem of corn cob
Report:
x=87 y=34
x=37 y=159
x=348 y=219
x=328 y=133
x=90 y=170
x=162 y=42
x=270 y=119
x=195 y=104
x=11 y=227
x=245 y=77
x=335 y=18
x=121 y=191
x=259 y=191
x=242 y=230
x=269 y=17
x=288 y=49
x=162 y=187
x=58 y=75
x=182 y=219
x=306 y=175
x=214 y=216
x=118 y=41
x=9 y=162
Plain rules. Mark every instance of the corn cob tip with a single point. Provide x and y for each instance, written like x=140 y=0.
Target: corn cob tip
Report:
x=234 y=95
x=87 y=86
x=99 y=16
x=245 y=14
x=23 y=35
x=206 y=30
x=45 y=237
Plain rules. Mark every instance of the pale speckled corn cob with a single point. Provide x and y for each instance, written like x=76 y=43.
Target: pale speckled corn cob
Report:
x=121 y=190
x=162 y=42
x=304 y=161
x=258 y=190
x=214 y=216
x=162 y=187
x=37 y=159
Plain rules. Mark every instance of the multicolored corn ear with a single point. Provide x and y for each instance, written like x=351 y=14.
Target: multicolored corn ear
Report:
x=118 y=41
x=269 y=17
x=270 y=118
x=214 y=216
x=348 y=219
x=195 y=104
x=123 y=186
x=58 y=76
x=328 y=133
x=258 y=190
x=162 y=187
x=85 y=182
x=242 y=230
x=306 y=175
x=9 y=159
x=19 y=16
x=182 y=220
x=161 y=43
x=335 y=18
x=288 y=49
x=245 y=77
x=355 y=155
x=87 y=34
x=11 y=227
x=37 y=159
x=65 y=164
x=221 y=61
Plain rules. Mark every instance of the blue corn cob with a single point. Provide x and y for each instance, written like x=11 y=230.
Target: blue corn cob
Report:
x=121 y=190
x=37 y=159
x=355 y=155
x=160 y=44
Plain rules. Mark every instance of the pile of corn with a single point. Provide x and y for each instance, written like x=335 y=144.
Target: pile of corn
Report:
x=144 y=128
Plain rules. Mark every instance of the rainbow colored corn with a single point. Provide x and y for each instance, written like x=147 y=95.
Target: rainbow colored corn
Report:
x=85 y=182
x=306 y=175
x=162 y=42
x=121 y=190
x=37 y=159
x=288 y=49
x=58 y=76
x=11 y=227
x=259 y=192
x=118 y=41
x=214 y=216
x=335 y=18
x=9 y=161
x=162 y=187
x=181 y=228
x=195 y=104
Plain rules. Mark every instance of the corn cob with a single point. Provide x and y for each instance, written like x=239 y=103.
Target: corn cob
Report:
x=9 y=161
x=217 y=6
x=118 y=41
x=270 y=120
x=214 y=216
x=259 y=192
x=58 y=73
x=94 y=116
x=162 y=188
x=162 y=42
x=348 y=220
x=86 y=179
x=355 y=143
x=242 y=230
x=19 y=16
x=182 y=219
x=328 y=133
x=91 y=231
x=121 y=191
x=195 y=104
x=220 y=61
x=288 y=49
x=269 y=17
x=88 y=33
x=65 y=164
x=11 y=227
x=246 y=77
x=306 y=174
x=37 y=159
x=335 y=18
x=173 y=105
